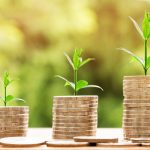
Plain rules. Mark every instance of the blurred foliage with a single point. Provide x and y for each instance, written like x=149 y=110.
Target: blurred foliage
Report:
x=34 y=34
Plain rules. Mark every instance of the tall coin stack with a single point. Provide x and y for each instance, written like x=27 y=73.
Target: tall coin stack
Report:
x=13 y=121
x=136 y=113
x=74 y=116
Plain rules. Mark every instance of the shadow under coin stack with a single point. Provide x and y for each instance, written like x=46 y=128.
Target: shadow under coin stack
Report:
x=136 y=113
x=13 y=121
x=74 y=116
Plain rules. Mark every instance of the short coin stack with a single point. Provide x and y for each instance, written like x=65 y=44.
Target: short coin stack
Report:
x=13 y=121
x=136 y=113
x=74 y=116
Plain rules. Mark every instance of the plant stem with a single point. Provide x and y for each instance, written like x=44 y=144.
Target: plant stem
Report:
x=145 y=46
x=75 y=81
x=5 y=94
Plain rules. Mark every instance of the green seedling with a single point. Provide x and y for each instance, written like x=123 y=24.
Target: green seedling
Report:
x=76 y=63
x=145 y=34
x=6 y=82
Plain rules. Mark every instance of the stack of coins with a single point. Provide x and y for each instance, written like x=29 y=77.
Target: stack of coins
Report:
x=136 y=113
x=13 y=121
x=74 y=116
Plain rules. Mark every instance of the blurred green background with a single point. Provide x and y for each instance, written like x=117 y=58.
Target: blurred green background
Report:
x=35 y=33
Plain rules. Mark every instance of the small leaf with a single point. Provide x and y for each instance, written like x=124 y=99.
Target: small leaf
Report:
x=133 y=55
x=6 y=80
x=77 y=60
x=69 y=60
x=9 y=98
x=146 y=26
x=86 y=61
x=93 y=86
x=81 y=84
x=67 y=82
x=137 y=27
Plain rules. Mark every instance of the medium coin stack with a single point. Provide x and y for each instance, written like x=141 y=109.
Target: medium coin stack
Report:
x=136 y=113
x=74 y=116
x=13 y=121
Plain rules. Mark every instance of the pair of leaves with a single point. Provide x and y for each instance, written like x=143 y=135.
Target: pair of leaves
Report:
x=77 y=61
x=138 y=59
x=81 y=84
x=6 y=80
x=134 y=56
x=11 y=98
x=145 y=32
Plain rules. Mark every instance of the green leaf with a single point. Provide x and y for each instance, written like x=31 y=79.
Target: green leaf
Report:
x=81 y=84
x=67 y=83
x=148 y=62
x=9 y=98
x=86 y=61
x=77 y=60
x=133 y=55
x=146 y=26
x=69 y=60
x=93 y=86
x=137 y=27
